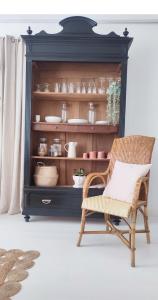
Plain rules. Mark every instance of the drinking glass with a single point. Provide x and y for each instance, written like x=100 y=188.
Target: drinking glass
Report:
x=57 y=87
x=63 y=87
x=38 y=87
x=83 y=86
x=70 y=87
x=46 y=87
x=94 y=88
x=78 y=87
x=89 y=86
x=101 y=85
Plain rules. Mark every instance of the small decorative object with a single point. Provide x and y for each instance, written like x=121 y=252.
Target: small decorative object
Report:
x=91 y=113
x=71 y=149
x=79 y=178
x=42 y=148
x=55 y=148
x=64 y=113
x=37 y=118
x=93 y=154
x=113 y=97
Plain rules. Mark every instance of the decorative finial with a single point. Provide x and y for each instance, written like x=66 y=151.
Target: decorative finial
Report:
x=126 y=32
x=29 y=31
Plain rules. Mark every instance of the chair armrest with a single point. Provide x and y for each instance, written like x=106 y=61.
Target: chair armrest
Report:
x=140 y=181
x=102 y=175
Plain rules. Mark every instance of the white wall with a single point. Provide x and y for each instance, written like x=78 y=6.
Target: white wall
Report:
x=142 y=91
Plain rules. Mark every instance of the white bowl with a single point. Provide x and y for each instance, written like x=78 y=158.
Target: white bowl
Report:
x=102 y=122
x=77 y=121
x=53 y=119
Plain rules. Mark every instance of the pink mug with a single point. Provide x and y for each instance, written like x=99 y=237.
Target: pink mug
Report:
x=85 y=155
x=101 y=155
x=93 y=154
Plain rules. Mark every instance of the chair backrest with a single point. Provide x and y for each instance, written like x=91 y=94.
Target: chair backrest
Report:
x=135 y=149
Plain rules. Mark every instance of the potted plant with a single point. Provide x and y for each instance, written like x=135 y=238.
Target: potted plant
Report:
x=79 y=178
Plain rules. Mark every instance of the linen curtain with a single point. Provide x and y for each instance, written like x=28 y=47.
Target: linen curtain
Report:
x=12 y=95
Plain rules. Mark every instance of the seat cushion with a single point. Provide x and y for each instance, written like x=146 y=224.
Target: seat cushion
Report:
x=107 y=205
x=122 y=183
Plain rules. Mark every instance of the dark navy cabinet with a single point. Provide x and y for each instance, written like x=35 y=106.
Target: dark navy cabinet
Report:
x=75 y=49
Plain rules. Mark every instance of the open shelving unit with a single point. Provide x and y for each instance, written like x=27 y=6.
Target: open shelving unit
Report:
x=69 y=96
x=88 y=137
x=65 y=127
x=67 y=158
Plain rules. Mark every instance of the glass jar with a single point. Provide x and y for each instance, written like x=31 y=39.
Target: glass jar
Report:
x=46 y=87
x=91 y=113
x=42 y=148
x=64 y=113
x=55 y=148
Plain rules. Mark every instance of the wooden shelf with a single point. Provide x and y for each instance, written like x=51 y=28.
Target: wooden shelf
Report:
x=69 y=96
x=67 y=158
x=64 y=127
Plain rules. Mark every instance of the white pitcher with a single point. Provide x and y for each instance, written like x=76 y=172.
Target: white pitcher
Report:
x=71 y=149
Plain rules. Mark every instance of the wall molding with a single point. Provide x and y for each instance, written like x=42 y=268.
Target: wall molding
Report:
x=101 y=19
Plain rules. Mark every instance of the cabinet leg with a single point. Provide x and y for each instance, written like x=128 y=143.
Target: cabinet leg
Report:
x=27 y=218
x=116 y=220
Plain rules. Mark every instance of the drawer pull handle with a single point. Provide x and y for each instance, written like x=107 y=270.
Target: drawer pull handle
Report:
x=46 y=201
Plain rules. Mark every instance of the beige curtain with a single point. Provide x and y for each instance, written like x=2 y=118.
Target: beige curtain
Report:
x=12 y=95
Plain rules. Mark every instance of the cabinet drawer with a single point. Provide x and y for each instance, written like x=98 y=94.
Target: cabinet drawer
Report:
x=52 y=200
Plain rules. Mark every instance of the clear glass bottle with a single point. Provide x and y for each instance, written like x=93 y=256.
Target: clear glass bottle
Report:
x=64 y=113
x=43 y=147
x=91 y=113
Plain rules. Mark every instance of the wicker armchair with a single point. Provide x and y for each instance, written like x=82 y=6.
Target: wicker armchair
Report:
x=134 y=150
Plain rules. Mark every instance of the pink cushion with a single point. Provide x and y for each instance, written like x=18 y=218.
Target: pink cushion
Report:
x=123 y=180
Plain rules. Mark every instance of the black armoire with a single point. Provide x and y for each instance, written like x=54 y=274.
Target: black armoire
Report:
x=75 y=54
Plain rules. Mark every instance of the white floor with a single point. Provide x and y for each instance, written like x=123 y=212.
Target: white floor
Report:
x=100 y=269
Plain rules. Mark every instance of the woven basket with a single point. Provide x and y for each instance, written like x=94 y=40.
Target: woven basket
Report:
x=45 y=180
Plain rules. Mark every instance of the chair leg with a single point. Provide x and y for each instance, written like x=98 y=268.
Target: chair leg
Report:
x=83 y=221
x=132 y=238
x=146 y=224
x=106 y=218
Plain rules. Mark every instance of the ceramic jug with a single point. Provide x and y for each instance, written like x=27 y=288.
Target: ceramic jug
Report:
x=71 y=149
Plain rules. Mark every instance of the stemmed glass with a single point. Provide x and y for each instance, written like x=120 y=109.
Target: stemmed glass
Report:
x=83 y=86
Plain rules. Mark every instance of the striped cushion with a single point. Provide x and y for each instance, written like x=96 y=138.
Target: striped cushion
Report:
x=107 y=205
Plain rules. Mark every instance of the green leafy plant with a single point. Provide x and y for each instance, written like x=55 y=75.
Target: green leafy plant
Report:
x=80 y=172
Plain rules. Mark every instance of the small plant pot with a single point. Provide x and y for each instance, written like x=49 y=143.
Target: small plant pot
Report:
x=79 y=181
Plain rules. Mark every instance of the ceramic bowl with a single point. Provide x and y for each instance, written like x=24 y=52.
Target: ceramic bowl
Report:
x=53 y=119
x=77 y=121
x=101 y=122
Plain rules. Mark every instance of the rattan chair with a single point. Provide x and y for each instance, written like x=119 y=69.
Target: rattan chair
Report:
x=134 y=150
